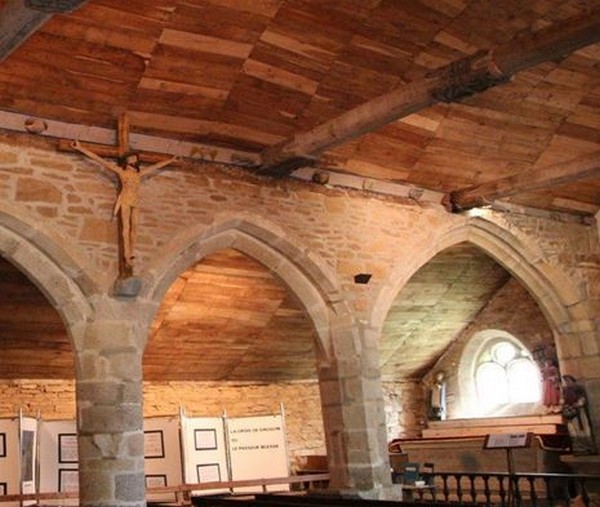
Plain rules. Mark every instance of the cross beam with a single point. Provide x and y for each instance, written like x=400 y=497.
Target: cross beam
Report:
x=452 y=82
x=558 y=174
x=19 y=19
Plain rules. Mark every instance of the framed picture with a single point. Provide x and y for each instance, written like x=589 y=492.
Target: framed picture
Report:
x=67 y=448
x=209 y=472
x=154 y=445
x=156 y=481
x=205 y=439
x=2 y=445
x=68 y=480
x=2 y=488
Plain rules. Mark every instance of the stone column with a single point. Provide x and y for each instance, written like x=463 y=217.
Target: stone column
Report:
x=110 y=414
x=354 y=417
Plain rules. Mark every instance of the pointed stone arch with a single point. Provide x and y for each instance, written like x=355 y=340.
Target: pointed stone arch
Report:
x=350 y=392
x=556 y=294
x=39 y=254
x=563 y=303
x=302 y=271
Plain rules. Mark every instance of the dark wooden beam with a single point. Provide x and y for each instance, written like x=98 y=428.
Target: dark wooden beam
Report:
x=452 y=82
x=19 y=19
x=529 y=181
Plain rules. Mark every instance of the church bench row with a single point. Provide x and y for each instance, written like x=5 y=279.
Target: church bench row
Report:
x=275 y=500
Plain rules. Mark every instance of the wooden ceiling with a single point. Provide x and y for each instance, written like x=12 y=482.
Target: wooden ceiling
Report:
x=479 y=100
x=386 y=90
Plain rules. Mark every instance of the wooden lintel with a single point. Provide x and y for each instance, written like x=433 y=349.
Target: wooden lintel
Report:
x=538 y=179
x=467 y=76
x=145 y=144
x=19 y=19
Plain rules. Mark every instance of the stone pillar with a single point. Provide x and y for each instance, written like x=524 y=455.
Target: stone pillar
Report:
x=354 y=418
x=110 y=414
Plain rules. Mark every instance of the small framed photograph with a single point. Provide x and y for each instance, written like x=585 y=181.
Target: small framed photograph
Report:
x=154 y=445
x=205 y=439
x=209 y=472
x=68 y=480
x=2 y=445
x=67 y=448
x=156 y=481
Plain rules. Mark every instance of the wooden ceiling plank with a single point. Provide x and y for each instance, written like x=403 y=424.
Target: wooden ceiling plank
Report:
x=137 y=42
x=19 y=19
x=205 y=44
x=150 y=83
x=538 y=179
x=449 y=83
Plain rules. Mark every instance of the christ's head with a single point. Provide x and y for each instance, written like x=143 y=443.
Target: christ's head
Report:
x=130 y=159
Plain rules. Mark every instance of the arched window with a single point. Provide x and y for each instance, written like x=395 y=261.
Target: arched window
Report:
x=505 y=373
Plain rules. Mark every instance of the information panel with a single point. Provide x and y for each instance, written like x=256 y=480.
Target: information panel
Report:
x=258 y=450
x=58 y=458
x=507 y=440
x=162 y=453
x=9 y=459
x=204 y=452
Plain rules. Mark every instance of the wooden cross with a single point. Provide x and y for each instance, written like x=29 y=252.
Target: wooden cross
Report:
x=130 y=176
x=122 y=147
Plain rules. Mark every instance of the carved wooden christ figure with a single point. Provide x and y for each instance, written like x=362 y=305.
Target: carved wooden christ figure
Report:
x=127 y=205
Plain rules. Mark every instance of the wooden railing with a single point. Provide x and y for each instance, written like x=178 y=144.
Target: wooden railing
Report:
x=181 y=492
x=502 y=489
x=496 y=489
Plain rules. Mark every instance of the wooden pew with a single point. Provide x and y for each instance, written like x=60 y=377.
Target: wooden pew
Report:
x=310 y=500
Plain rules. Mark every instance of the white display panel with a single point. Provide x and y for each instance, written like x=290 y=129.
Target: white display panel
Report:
x=204 y=452
x=257 y=450
x=162 y=453
x=58 y=458
x=9 y=459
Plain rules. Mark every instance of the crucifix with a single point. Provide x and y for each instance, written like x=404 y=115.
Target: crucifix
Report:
x=130 y=176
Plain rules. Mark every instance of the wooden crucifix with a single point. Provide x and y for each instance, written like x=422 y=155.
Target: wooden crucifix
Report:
x=130 y=176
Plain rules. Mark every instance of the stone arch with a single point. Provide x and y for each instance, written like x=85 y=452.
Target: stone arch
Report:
x=304 y=273
x=57 y=274
x=555 y=293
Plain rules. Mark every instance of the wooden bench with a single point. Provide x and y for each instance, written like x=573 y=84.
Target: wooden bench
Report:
x=309 y=500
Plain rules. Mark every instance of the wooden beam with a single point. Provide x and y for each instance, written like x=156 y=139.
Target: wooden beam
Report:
x=142 y=143
x=19 y=19
x=530 y=181
x=452 y=82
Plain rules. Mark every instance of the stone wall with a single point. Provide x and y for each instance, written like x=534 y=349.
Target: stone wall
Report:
x=71 y=199
x=55 y=399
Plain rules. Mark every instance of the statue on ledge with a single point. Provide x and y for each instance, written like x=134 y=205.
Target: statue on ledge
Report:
x=551 y=386
x=437 y=400
x=576 y=412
